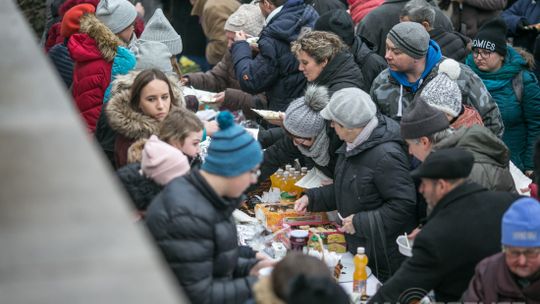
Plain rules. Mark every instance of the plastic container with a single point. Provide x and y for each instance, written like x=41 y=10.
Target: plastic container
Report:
x=360 y=272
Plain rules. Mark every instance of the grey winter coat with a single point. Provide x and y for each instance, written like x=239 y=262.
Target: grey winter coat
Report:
x=385 y=92
x=491 y=157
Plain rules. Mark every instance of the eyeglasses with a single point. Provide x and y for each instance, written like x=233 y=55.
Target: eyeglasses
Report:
x=255 y=173
x=484 y=54
x=514 y=254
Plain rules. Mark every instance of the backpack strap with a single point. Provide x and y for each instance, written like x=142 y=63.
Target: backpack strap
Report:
x=517 y=85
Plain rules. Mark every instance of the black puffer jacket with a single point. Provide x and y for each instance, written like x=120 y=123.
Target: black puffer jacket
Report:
x=140 y=189
x=341 y=72
x=362 y=187
x=453 y=44
x=196 y=233
x=369 y=62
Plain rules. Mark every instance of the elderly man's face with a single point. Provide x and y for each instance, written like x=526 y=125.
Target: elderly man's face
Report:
x=397 y=60
x=522 y=261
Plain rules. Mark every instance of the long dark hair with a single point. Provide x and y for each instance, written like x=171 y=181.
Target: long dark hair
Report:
x=142 y=80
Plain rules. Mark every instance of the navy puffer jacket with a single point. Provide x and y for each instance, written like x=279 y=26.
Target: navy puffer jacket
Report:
x=275 y=69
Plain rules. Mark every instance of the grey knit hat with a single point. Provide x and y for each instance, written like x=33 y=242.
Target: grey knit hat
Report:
x=411 y=38
x=442 y=92
x=351 y=108
x=302 y=117
x=117 y=15
x=153 y=55
x=247 y=18
x=422 y=120
x=160 y=29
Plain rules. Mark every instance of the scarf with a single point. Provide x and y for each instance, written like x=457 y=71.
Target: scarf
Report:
x=319 y=150
x=364 y=134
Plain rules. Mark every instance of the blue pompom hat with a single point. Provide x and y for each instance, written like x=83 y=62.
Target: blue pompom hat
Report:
x=233 y=151
x=521 y=224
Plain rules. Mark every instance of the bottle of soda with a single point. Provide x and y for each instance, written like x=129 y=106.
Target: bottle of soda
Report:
x=360 y=272
x=285 y=182
x=275 y=178
x=303 y=172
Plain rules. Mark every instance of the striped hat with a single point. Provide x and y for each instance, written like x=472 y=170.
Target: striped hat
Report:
x=411 y=38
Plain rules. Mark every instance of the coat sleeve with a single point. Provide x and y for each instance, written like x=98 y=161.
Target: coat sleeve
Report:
x=373 y=66
x=475 y=292
x=514 y=14
x=322 y=199
x=531 y=112
x=213 y=23
x=476 y=94
x=215 y=80
x=415 y=278
x=488 y=5
x=278 y=154
x=240 y=100
x=255 y=75
x=398 y=194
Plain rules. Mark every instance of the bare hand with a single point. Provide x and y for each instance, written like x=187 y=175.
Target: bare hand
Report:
x=184 y=81
x=219 y=97
x=240 y=36
x=326 y=182
x=211 y=127
x=301 y=204
x=140 y=9
x=260 y=265
x=348 y=226
x=261 y=256
x=411 y=236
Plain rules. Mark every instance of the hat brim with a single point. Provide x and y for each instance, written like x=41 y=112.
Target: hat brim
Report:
x=327 y=114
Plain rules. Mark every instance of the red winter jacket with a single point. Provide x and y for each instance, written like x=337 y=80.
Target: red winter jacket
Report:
x=360 y=8
x=93 y=51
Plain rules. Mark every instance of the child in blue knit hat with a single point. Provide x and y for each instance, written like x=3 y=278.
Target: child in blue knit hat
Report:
x=191 y=219
x=513 y=275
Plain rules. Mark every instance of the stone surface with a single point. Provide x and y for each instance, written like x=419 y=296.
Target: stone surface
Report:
x=66 y=230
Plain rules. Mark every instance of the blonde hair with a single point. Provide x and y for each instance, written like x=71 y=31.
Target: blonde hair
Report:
x=134 y=152
x=178 y=125
x=319 y=45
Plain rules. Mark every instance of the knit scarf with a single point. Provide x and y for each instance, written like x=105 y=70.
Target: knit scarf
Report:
x=364 y=134
x=319 y=150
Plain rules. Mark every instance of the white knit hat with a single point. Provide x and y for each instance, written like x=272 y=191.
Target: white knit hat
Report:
x=117 y=15
x=443 y=92
x=152 y=55
x=160 y=29
x=247 y=18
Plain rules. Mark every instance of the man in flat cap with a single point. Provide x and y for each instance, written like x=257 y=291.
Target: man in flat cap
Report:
x=463 y=228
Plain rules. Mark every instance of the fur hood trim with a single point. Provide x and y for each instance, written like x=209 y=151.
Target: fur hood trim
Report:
x=264 y=292
x=123 y=119
x=106 y=40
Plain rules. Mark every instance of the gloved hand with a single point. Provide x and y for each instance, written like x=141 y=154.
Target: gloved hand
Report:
x=522 y=25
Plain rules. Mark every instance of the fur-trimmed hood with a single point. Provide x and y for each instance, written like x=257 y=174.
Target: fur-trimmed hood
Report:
x=123 y=119
x=94 y=34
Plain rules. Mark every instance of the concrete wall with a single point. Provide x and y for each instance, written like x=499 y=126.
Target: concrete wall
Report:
x=66 y=229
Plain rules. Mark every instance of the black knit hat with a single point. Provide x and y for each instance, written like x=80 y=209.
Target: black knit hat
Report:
x=422 y=120
x=492 y=37
x=449 y=163
x=339 y=22
x=314 y=290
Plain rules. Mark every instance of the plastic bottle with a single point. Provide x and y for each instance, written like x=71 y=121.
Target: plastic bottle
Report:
x=275 y=178
x=292 y=189
x=303 y=172
x=360 y=273
x=285 y=182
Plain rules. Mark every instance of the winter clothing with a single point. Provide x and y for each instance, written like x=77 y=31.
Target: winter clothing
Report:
x=162 y=162
x=521 y=13
x=376 y=25
x=60 y=58
x=453 y=44
x=213 y=14
x=520 y=225
x=521 y=117
x=130 y=125
x=422 y=120
x=350 y=115
x=370 y=63
x=203 y=250
x=232 y=151
x=491 y=37
x=452 y=163
x=187 y=26
x=247 y=18
x=322 y=6
x=316 y=290
x=71 y=21
x=93 y=51
x=411 y=38
x=442 y=92
x=142 y=190
x=360 y=187
x=493 y=282
x=302 y=117
x=444 y=253
x=160 y=29
x=117 y=15
x=392 y=92
x=338 y=22
x=341 y=72
x=473 y=14
x=153 y=55
x=123 y=62
x=360 y=8
x=467 y=117
x=490 y=168
x=275 y=69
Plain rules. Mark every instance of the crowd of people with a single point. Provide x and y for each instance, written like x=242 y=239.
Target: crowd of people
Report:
x=416 y=111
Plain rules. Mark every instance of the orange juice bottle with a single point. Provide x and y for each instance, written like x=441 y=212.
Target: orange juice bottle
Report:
x=285 y=182
x=360 y=272
x=303 y=172
x=275 y=178
x=290 y=183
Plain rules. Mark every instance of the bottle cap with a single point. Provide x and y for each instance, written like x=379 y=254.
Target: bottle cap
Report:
x=360 y=250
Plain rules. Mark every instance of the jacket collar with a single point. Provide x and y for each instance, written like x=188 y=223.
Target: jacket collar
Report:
x=227 y=205
x=463 y=190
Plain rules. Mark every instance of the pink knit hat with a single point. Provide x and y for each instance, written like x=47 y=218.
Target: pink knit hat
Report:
x=162 y=162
